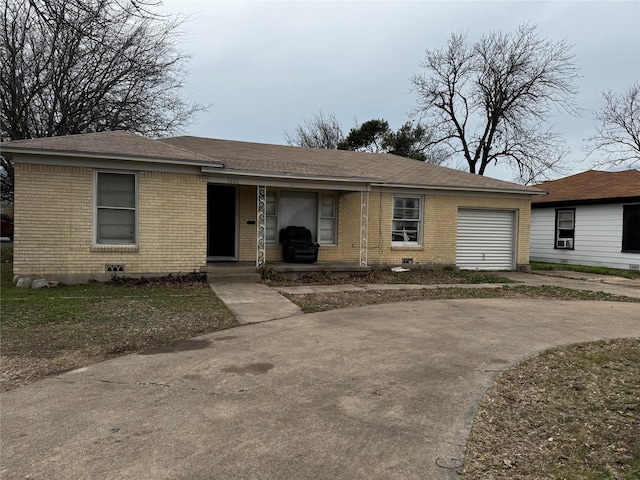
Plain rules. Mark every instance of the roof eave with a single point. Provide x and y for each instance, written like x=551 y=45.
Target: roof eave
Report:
x=587 y=201
x=257 y=173
x=106 y=156
x=461 y=188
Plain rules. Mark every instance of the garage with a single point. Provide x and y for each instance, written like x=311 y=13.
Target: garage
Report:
x=485 y=239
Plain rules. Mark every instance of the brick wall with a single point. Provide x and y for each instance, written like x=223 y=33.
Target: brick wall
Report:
x=54 y=224
x=248 y=233
x=440 y=218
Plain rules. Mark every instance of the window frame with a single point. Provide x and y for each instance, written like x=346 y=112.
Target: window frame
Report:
x=318 y=195
x=268 y=216
x=333 y=218
x=558 y=236
x=420 y=220
x=97 y=207
x=626 y=212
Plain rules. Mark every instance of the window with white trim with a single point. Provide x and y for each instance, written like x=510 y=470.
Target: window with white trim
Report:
x=327 y=214
x=316 y=211
x=565 y=228
x=406 y=228
x=271 y=217
x=631 y=228
x=116 y=197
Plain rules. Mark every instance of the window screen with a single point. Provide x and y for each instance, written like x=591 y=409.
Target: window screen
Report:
x=406 y=220
x=116 y=209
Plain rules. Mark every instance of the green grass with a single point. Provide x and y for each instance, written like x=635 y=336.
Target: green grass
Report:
x=586 y=269
x=62 y=327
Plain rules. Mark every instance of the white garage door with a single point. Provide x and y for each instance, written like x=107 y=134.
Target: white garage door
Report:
x=485 y=239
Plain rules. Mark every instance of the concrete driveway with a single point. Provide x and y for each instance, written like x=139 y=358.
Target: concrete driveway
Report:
x=380 y=392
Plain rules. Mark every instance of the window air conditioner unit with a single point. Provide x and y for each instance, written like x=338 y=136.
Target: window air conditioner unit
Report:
x=565 y=243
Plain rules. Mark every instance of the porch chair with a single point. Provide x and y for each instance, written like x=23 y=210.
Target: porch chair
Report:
x=298 y=246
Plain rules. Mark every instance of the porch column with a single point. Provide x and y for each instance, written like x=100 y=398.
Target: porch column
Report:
x=262 y=221
x=364 y=227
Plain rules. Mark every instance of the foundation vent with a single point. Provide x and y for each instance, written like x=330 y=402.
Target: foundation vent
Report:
x=407 y=261
x=114 y=268
x=633 y=266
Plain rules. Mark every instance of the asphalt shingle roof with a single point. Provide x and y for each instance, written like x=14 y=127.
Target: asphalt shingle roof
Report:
x=109 y=144
x=591 y=185
x=382 y=168
x=265 y=159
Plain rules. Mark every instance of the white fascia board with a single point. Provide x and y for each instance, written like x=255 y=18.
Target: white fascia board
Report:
x=236 y=177
x=109 y=164
x=303 y=185
x=452 y=189
x=48 y=154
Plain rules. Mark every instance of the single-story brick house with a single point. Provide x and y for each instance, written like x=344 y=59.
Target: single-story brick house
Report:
x=94 y=205
x=591 y=218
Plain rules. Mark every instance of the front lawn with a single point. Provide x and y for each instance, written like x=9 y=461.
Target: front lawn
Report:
x=571 y=412
x=57 y=329
x=421 y=276
x=586 y=269
x=320 y=302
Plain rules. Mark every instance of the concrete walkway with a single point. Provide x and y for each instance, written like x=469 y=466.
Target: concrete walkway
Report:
x=379 y=392
x=385 y=392
x=579 y=281
x=255 y=302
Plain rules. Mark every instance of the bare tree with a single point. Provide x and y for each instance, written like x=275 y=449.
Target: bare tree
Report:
x=322 y=131
x=77 y=66
x=490 y=101
x=617 y=135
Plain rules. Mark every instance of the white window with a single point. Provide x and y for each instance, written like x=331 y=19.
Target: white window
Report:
x=313 y=210
x=327 y=213
x=271 y=217
x=116 y=208
x=565 y=228
x=406 y=225
x=299 y=209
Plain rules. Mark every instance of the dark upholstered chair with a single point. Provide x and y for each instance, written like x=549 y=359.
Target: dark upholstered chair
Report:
x=298 y=246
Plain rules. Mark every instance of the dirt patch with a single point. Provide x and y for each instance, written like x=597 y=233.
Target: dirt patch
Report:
x=415 y=276
x=321 y=302
x=568 y=413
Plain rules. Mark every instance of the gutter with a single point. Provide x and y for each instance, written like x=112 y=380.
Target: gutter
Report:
x=533 y=190
x=105 y=156
x=586 y=201
x=288 y=176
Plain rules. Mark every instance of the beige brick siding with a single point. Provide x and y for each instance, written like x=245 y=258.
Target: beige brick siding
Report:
x=248 y=233
x=54 y=223
x=440 y=218
x=54 y=210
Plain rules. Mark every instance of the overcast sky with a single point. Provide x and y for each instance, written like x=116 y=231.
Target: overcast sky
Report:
x=266 y=66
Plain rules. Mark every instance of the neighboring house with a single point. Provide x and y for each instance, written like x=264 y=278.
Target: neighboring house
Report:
x=94 y=205
x=592 y=218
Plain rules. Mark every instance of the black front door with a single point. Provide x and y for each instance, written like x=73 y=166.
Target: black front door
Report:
x=221 y=221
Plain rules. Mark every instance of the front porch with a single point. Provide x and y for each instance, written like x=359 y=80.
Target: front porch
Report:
x=244 y=221
x=228 y=272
